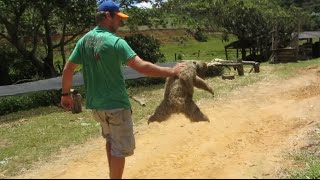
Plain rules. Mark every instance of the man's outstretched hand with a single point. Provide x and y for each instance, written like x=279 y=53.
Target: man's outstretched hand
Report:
x=66 y=102
x=178 y=67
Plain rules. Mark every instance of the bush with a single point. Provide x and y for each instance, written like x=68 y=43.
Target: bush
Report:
x=144 y=81
x=24 y=102
x=180 y=56
x=198 y=34
x=147 y=47
x=11 y=104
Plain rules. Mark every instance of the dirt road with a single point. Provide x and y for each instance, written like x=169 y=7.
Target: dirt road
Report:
x=249 y=136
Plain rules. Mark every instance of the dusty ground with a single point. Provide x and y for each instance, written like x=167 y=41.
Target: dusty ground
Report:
x=250 y=136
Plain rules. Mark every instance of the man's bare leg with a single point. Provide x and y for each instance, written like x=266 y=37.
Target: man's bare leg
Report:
x=108 y=148
x=116 y=164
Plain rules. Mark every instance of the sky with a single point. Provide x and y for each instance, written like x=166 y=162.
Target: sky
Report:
x=143 y=4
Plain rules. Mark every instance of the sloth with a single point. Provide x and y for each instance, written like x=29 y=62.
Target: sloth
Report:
x=179 y=93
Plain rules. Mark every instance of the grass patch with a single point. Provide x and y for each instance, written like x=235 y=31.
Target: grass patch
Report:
x=290 y=69
x=307 y=160
x=31 y=136
x=309 y=166
x=192 y=49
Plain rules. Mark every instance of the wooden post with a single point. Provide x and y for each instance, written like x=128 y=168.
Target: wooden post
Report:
x=237 y=53
x=225 y=49
x=240 y=70
x=256 y=67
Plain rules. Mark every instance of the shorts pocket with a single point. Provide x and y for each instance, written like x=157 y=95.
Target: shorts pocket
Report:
x=98 y=116
x=115 y=118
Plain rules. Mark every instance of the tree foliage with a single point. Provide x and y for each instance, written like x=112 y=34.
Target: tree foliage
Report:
x=312 y=7
x=249 y=20
x=147 y=47
x=39 y=29
x=30 y=26
x=152 y=18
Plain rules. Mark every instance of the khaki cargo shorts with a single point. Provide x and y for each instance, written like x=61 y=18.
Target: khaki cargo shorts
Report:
x=117 y=128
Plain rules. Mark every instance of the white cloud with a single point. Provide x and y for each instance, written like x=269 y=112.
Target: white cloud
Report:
x=143 y=4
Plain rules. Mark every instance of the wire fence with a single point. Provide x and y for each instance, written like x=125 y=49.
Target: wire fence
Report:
x=203 y=55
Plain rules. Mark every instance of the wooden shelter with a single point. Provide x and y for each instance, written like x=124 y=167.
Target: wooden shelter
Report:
x=308 y=48
x=239 y=45
x=298 y=50
x=248 y=50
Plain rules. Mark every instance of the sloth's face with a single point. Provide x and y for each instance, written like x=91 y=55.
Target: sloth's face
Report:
x=201 y=67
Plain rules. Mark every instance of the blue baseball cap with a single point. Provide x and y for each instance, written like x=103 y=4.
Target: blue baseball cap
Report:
x=112 y=7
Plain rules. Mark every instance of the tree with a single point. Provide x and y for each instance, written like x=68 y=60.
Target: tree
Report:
x=151 y=17
x=30 y=26
x=147 y=47
x=312 y=7
x=250 y=20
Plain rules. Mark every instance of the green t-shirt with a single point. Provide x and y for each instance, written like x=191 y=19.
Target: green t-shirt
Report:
x=102 y=54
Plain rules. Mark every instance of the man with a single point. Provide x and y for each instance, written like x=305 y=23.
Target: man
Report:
x=101 y=53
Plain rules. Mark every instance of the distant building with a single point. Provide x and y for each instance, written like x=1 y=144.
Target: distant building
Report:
x=309 y=44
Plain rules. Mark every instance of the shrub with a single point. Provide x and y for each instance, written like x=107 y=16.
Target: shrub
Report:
x=198 y=34
x=144 y=81
x=11 y=104
x=24 y=102
x=147 y=47
x=180 y=56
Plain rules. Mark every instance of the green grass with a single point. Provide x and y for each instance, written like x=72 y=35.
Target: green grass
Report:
x=310 y=167
x=30 y=136
x=307 y=161
x=192 y=49
x=288 y=70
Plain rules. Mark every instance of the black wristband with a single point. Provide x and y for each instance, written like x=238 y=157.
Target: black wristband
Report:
x=65 y=94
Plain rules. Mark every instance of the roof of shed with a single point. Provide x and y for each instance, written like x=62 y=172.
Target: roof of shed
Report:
x=309 y=34
x=240 y=44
